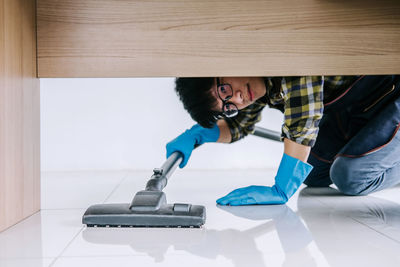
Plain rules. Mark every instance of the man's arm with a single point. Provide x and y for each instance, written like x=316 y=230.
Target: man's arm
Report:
x=303 y=109
x=292 y=171
x=291 y=148
x=225 y=134
x=295 y=150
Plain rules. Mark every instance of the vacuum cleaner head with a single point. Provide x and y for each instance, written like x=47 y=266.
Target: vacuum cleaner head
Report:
x=148 y=209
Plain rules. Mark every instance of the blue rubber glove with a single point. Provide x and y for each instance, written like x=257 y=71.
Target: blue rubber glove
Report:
x=195 y=136
x=291 y=174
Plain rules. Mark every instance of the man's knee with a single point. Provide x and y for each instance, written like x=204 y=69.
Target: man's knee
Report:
x=344 y=177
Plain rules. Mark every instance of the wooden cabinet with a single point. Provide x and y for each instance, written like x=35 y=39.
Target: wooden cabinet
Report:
x=19 y=113
x=136 y=38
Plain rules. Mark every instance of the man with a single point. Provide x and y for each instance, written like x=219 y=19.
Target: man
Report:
x=337 y=129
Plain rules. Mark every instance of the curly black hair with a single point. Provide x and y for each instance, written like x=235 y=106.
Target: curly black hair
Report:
x=198 y=100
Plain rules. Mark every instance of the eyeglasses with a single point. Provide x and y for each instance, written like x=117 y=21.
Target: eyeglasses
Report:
x=225 y=93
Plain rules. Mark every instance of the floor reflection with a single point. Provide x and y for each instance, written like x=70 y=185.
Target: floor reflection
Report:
x=342 y=228
x=24 y=240
x=238 y=246
x=293 y=235
x=357 y=231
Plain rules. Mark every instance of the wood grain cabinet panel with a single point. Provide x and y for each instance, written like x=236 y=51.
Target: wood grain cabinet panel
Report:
x=135 y=38
x=19 y=113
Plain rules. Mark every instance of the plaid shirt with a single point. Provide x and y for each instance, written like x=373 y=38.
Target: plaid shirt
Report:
x=301 y=101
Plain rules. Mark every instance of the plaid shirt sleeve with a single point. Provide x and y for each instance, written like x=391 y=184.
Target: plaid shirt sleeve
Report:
x=303 y=108
x=302 y=98
x=244 y=123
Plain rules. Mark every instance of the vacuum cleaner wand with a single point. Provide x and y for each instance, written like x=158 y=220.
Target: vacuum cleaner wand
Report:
x=149 y=207
x=161 y=175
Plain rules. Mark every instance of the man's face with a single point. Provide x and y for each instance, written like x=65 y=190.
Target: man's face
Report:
x=246 y=90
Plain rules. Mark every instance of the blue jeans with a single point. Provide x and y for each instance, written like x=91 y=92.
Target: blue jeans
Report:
x=359 y=151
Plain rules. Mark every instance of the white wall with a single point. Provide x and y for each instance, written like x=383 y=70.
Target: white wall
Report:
x=97 y=124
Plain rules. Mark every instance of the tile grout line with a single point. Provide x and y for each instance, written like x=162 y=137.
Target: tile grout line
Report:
x=366 y=225
x=69 y=243
x=23 y=220
x=53 y=262
x=105 y=256
x=117 y=186
x=124 y=177
x=53 y=209
x=375 y=230
x=320 y=202
x=76 y=235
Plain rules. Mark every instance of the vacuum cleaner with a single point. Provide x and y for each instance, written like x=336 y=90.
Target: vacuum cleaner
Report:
x=149 y=207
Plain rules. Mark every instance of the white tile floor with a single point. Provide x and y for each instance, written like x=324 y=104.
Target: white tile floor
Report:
x=317 y=227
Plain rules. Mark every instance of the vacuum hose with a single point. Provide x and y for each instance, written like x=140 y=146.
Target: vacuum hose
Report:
x=266 y=133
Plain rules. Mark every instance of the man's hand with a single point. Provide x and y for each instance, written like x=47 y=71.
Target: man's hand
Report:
x=186 y=142
x=254 y=194
x=291 y=174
